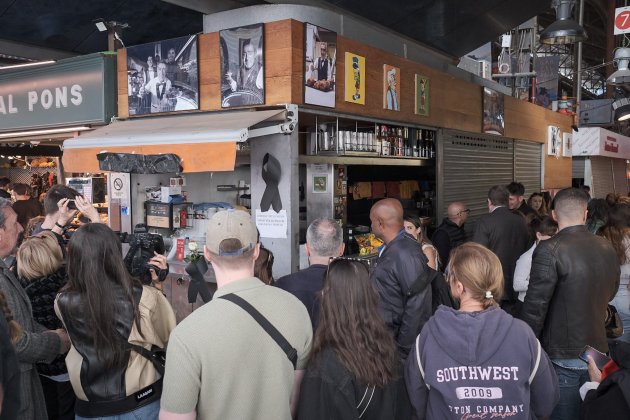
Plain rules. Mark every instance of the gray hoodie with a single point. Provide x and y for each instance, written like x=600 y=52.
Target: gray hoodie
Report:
x=479 y=365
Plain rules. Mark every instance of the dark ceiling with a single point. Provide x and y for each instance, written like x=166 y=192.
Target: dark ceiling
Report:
x=454 y=27
x=67 y=25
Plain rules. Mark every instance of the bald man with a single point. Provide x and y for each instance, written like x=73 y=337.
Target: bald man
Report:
x=450 y=234
x=400 y=268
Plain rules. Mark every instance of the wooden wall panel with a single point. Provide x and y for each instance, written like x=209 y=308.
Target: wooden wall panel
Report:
x=454 y=103
x=122 y=82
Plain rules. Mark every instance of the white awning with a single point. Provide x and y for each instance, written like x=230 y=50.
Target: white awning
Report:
x=204 y=142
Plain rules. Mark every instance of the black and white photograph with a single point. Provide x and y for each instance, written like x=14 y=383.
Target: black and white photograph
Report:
x=163 y=76
x=493 y=112
x=319 y=62
x=242 y=66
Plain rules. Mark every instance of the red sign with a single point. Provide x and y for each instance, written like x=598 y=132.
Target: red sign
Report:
x=622 y=20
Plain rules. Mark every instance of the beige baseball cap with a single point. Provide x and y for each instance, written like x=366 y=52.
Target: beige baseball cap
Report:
x=231 y=224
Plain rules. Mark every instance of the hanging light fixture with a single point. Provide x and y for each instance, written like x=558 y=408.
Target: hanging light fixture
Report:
x=564 y=30
x=621 y=107
x=622 y=75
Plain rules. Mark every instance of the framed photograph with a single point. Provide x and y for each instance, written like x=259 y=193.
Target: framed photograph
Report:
x=320 y=58
x=567 y=144
x=355 y=79
x=493 y=112
x=423 y=90
x=554 y=140
x=242 y=66
x=320 y=183
x=163 y=76
x=391 y=87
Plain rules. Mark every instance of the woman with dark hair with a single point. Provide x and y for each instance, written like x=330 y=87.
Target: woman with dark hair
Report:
x=114 y=323
x=354 y=371
x=263 y=266
x=542 y=229
x=598 y=209
x=478 y=360
x=414 y=228
x=537 y=202
x=617 y=231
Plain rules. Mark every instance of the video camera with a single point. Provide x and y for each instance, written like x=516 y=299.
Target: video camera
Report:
x=142 y=247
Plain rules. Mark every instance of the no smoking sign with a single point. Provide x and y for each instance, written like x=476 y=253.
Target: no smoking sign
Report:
x=622 y=20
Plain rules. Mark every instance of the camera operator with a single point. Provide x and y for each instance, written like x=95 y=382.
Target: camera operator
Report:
x=157 y=277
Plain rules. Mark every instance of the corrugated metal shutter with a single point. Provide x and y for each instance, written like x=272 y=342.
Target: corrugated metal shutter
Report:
x=578 y=167
x=527 y=164
x=601 y=169
x=471 y=163
x=620 y=180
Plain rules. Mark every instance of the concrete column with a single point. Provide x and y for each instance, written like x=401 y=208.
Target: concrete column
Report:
x=285 y=149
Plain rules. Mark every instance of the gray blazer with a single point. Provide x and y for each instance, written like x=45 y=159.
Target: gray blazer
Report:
x=35 y=345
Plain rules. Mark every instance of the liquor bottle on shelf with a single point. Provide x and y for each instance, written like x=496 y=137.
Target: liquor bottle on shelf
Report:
x=423 y=143
x=430 y=144
x=416 y=144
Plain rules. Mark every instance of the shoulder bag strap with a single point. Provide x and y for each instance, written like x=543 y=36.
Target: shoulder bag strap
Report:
x=157 y=357
x=290 y=351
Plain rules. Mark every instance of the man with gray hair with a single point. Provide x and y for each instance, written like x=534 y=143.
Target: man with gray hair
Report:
x=324 y=240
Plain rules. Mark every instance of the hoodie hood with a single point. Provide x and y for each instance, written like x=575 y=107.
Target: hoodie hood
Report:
x=470 y=338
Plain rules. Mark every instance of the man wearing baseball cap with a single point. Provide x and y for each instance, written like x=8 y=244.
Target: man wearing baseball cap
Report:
x=243 y=354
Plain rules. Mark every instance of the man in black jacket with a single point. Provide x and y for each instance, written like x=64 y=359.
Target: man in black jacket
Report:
x=506 y=234
x=517 y=199
x=451 y=233
x=400 y=264
x=573 y=277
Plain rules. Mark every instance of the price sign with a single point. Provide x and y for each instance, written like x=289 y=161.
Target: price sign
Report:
x=622 y=20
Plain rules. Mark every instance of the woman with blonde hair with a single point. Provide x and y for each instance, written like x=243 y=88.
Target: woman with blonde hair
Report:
x=537 y=202
x=478 y=360
x=41 y=271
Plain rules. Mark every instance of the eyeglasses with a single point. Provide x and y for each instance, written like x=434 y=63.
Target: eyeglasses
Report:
x=463 y=211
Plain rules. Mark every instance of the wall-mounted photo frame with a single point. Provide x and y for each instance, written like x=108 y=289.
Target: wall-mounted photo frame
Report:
x=242 y=66
x=554 y=140
x=567 y=144
x=320 y=58
x=355 y=78
x=163 y=76
x=493 y=112
x=391 y=87
x=423 y=91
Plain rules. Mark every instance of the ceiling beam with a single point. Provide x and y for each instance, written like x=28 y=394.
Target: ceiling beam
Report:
x=28 y=52
x=212 y=6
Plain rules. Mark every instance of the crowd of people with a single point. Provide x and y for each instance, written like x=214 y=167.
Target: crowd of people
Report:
x=535 y=282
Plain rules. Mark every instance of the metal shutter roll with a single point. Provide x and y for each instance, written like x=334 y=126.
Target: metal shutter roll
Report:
x=601 y=170
x=527 y=164
x=470 y=164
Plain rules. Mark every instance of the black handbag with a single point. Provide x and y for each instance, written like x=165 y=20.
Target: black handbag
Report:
x=613 y=323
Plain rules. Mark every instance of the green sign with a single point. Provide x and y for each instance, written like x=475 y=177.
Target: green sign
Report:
x=74 y=91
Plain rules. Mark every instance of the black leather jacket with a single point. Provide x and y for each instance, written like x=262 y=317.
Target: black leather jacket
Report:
x=399 y=265
x=574 y=275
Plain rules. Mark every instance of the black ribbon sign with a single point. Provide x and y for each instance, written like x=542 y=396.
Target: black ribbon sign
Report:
x=197 y=285
x=271 y=174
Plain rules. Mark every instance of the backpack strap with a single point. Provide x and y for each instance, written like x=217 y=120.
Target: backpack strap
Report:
x=282 y=342
x=419 y=361
x=531 y=377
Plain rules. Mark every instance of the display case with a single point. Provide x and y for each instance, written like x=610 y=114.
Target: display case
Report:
x=167 y=215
